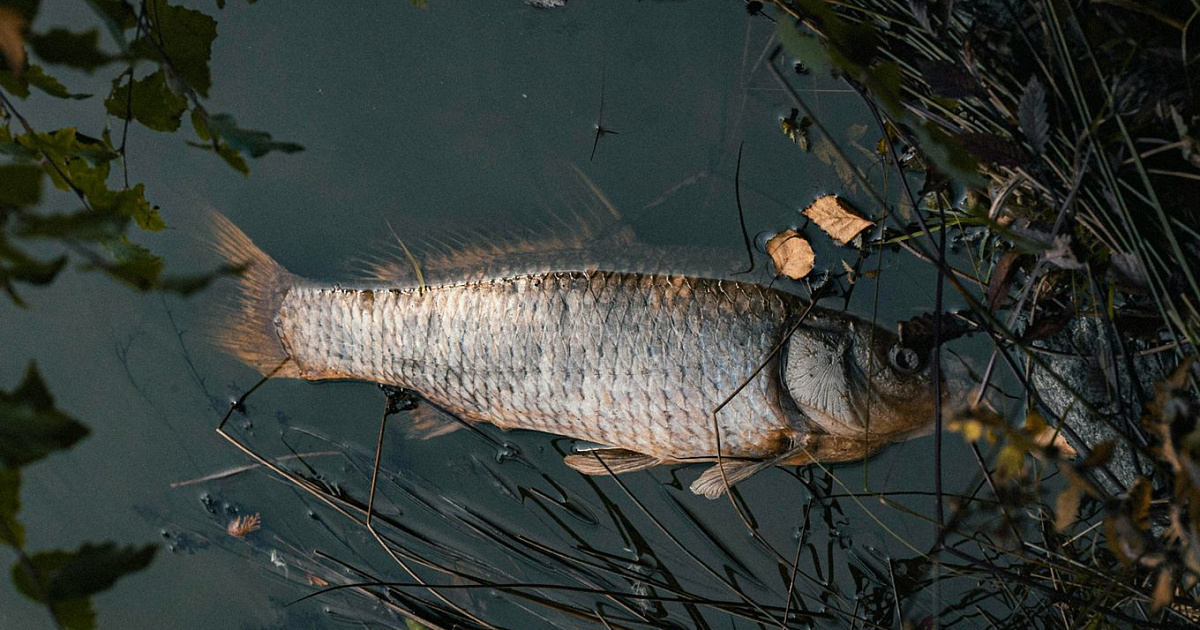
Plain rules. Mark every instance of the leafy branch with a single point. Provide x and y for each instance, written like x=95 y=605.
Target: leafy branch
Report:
x=176 y=43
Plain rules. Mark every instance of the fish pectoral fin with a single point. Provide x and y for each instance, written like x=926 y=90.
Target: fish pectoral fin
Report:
x=712 y=484
x=427 y=421
x=604 y=461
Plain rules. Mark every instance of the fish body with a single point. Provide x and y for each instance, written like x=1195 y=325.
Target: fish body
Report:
x=645 y=364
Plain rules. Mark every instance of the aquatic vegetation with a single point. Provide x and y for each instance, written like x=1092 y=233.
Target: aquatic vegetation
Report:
x=95 y=235
x=1066 y=131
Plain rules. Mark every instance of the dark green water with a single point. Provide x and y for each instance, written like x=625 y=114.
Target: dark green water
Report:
x=460 y=118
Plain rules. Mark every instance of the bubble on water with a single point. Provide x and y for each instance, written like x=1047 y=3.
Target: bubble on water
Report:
x=507 y=451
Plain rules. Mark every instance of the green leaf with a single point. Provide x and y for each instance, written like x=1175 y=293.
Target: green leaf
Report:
x=234 y=159
x=187 y=285
x=9 y=146
x=256 y=143
x=66 y=580
x=804 y=47
x=30 y=426
x=200 y=124
x=883 y=80
x=25 y=268
x=135 y=265
x=232 y=141
x=149 y=100
x=85 y=162
x=27 y=8
x=62 y=47
x=118 y=17
x=131 y=202
x=95 y=568
x=85 y=225
x=185 y=37
x=38 y=78
x=20 y=184
x=17 y=86
x=67 y=142
x=227 y=153
x=12 y=533
x=948 y=155
x=75 y=614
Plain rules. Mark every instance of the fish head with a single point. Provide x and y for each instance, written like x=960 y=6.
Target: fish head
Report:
x=854 y=379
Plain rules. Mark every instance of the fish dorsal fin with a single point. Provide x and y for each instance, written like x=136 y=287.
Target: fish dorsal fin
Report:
x=568 y=238
x=579 y=231
x=711 y=484
x=604 y=461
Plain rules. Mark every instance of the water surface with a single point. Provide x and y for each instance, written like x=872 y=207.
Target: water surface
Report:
x=460 y=118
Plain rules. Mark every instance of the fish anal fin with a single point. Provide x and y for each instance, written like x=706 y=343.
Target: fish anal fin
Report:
x=712 y=484
x=427 y=422
x=603 y=461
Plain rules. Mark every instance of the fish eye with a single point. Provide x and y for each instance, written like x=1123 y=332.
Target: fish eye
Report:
x=904 y=360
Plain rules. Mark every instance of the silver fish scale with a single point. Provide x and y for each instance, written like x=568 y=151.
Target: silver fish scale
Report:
x=627 y=360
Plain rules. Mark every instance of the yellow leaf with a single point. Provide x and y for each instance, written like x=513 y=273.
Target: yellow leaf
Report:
x=971 y=430
x=791 y=253
x=1035 y=424
x=837 y=218
x=12 y=39
x=1066 y=508
x=1011 y=461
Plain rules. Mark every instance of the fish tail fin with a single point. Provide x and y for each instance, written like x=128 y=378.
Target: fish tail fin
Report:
x=245 y=326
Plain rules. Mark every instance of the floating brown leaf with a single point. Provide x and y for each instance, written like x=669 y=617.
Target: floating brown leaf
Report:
x=1066 y=508
x=12 y=39
x=1139 y=503
x=1045 y=435
x=837 y=218
x=1001 y=281
x=791 y=253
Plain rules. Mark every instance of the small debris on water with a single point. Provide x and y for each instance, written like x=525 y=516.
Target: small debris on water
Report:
x=243 y=525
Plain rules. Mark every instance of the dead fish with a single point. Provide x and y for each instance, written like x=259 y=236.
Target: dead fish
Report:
x=636 y=362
